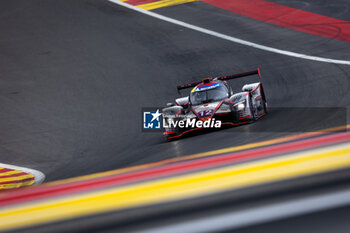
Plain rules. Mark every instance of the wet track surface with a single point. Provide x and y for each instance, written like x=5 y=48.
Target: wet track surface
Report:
x=74 y=76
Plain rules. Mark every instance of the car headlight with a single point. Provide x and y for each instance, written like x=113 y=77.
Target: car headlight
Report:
x=240 y=106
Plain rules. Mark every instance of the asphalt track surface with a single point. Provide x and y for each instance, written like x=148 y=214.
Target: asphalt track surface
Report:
x=74 y=76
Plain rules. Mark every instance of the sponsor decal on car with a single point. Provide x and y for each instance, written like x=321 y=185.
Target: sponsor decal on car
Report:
x=206 y=87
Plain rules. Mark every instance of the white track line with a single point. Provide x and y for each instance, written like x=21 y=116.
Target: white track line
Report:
x=230 y=38
x=257 y=215
x=39 y=177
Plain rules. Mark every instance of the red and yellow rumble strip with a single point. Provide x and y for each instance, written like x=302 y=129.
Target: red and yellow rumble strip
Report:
x=154 y=4
x=270 y=12
x=318 y=154
x=10 y=178
x=172 y=166
x=78 y=185
x=179 y=187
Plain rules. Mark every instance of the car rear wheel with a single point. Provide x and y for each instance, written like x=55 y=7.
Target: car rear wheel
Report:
x=252 y=110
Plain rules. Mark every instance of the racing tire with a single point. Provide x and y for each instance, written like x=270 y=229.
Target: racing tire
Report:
x=265 y=107
x=251 y=108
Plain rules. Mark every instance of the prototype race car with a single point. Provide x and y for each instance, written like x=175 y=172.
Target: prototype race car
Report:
x=212 y=103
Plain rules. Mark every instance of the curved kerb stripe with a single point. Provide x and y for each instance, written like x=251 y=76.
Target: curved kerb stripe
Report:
x=39 y=177
x=230 y=38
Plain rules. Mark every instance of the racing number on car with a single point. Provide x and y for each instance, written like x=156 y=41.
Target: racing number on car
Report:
x=205 y=113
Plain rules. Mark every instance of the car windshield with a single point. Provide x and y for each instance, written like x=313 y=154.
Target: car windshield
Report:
x=208 y=96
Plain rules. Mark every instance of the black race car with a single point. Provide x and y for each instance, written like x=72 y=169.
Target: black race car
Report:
x=212 y=103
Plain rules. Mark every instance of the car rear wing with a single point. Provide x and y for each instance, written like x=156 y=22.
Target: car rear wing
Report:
x=240 y=75
x=227 y=77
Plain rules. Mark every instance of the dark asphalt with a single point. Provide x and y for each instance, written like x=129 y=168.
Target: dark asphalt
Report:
x=74 y=76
